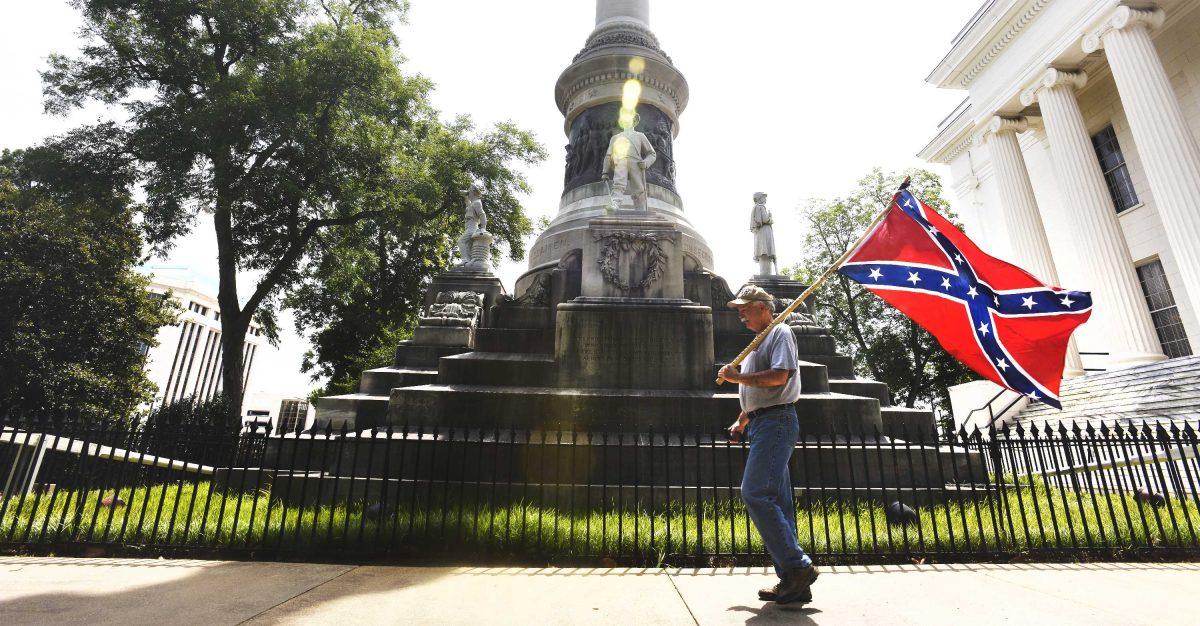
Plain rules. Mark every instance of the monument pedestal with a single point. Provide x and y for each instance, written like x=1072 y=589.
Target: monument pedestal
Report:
x=614 y=344
x=782 y=288
x=632 y=328
x=483 y=282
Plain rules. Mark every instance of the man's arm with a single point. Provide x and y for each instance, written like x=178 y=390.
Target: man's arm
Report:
x=767 y=378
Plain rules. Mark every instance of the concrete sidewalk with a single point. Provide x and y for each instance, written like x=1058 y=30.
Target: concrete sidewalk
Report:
x=127 y=591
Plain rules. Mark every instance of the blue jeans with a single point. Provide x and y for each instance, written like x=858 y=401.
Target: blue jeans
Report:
x=767 y=486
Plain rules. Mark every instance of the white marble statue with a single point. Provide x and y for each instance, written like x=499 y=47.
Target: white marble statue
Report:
x=474 y=245
x=764 y=236
x=629 y=155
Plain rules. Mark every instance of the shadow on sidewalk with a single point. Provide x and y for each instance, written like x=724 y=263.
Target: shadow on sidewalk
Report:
x=771 y=613
x=135 y=592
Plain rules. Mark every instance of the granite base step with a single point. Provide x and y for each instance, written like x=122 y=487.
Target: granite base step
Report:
x=535 y=407
x=523 y=340
x=415 y=356
x=351 y=412
x=497 y=368
x=863 y=387
x=840 y=367
x=908 y=424
x=614 y=459
x=381 y=381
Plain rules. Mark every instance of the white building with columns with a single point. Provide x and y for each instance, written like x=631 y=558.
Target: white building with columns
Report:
x=1076 y=155
x=186 y=363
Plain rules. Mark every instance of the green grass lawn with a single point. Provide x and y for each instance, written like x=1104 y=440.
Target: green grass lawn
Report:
x=198 y=516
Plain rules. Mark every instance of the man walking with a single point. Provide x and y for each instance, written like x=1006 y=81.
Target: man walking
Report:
x=768 y=384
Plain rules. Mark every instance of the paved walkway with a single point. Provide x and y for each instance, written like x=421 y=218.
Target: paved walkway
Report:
x=127 y=591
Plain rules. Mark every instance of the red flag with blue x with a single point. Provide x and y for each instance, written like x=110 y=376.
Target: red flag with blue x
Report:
x=995 y=317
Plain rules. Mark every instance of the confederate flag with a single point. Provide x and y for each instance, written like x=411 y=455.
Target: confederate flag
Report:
x=993 y=316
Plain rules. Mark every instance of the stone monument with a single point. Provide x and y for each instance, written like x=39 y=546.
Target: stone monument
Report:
x=620 y=323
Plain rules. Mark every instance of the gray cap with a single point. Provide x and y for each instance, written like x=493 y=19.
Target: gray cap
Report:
x=751 y=293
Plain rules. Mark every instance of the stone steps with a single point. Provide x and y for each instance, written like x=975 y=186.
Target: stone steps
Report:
x=498 y=369
x=415 y=356
x=352 y=411
x=1164 y=390
x=840 y=367
x=528 y=407
x=863 y=387
x=523 y=340
x=908 y=424
x=381 y=381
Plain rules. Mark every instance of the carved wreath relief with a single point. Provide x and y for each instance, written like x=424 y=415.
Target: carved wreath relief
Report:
x=615 y=244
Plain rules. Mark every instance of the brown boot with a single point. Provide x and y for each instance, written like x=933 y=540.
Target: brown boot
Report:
x=768 y=594
x=796 y=585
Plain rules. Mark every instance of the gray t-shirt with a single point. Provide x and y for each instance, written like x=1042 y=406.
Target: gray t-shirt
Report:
x=777 y=351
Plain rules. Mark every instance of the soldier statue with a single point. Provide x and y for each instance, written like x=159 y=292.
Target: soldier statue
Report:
x=764 y=236
x=475 y=220
x=629 y=155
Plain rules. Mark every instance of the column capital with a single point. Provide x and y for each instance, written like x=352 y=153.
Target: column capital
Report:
x=1121 y=18
x=1053 y=77
x=1000 y=125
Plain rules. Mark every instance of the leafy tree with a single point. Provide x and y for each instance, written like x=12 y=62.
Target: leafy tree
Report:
x=885 y=344
x=74 y=313
x=362 y=290
x=288 y=120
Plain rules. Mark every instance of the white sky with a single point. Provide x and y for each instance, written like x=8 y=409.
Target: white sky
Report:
x=795 y=98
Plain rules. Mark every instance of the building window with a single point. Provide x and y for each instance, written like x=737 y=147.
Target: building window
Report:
x=292 y=416
x=1116 y=172
x=1163 y=310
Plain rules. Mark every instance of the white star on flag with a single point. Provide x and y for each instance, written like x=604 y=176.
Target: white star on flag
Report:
x=1033 y=395
x=913 y=278
x=876 y=274
x=1027 y=302
x=983 y=328
x=972 y=292
x=996 y=299
x=945 y=283
x=958 y=257
x=1002 y=364
x=1067 y=301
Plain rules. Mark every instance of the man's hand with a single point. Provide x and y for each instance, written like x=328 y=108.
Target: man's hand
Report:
x=738 y=427
x=729 y=373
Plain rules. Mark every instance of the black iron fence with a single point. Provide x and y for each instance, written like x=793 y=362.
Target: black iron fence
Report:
x=631 y=496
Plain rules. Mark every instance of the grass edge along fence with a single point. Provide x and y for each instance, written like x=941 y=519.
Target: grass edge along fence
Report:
x=650 y=498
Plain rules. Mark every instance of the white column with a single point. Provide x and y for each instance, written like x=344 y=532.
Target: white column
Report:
x=1119 y=307
x=624 y=10
x=1168 y=149
x=1021 y=214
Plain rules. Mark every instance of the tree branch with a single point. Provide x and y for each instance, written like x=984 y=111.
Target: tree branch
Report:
x=295 y=250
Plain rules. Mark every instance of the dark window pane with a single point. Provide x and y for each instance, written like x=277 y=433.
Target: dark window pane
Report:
x=1116 y=173
x=1163 y=311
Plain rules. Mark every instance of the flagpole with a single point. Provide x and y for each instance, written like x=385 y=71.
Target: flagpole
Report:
x=791 y=308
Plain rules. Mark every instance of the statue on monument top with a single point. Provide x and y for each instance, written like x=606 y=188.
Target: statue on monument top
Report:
x=629 y=155
x=764 y=236
x=475 y=244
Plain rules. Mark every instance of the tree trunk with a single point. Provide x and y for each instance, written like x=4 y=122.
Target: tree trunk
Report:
x=233 y=322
